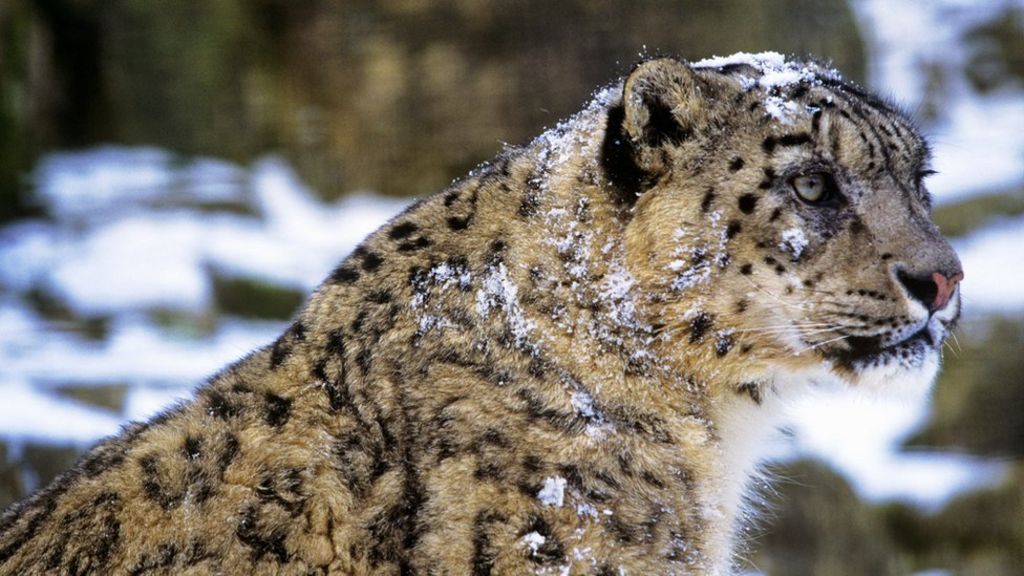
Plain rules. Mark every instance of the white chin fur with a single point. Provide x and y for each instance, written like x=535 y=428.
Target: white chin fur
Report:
x=896 y=379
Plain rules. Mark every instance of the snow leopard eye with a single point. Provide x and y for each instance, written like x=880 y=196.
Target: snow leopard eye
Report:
x=814 y=188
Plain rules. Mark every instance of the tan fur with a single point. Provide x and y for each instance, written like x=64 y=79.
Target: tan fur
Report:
x=545 y=368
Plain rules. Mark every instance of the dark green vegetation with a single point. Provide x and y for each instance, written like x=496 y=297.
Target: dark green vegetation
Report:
x=250 y=298
x=349 y=90
x=961 y=218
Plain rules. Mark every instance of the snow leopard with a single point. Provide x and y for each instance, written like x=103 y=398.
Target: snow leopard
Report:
x=567 y=362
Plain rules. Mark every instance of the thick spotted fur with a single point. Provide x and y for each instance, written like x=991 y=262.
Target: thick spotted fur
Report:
x=565 y=363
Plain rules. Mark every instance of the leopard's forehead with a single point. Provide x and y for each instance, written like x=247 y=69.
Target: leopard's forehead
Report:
x=787 y=95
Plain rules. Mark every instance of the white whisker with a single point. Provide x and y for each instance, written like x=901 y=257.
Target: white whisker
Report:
x=819 y=344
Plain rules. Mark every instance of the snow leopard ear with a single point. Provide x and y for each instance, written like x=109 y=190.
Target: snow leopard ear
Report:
x=663 y=105
x=663 y=101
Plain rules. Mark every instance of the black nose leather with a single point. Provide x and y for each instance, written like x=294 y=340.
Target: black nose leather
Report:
x=932 y=291
x=921 y=288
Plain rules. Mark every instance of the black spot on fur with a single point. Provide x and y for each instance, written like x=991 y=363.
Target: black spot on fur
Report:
x=536 y=409
x=551 y=550
x=371 y=261
x=283 y=345
x=151 y=486
x=531 y=198
x=816 y=120
x=489 y=470
x=699 y=326
x=280 y=352
x=386 y=535
x=709 y=197
x=626 y=532
x=747 y=269
x=457 y=224
x=723 y=344
x=747 y=203
x=413 y=245
x=337 y=393
x=278 y=409
x=483 y=552
x=219 y=406
x=192 y=448
x=799 y=139
x=533 y=463
x=38 y=514
x=733 y=229
x=650 y=478
x=260 y=542
x=99 y=461
x=228 y=452
x=164 y=557
x=751 y=389
x=402 y=230
x=344 y=275
x=382 y=296
x=776 y=213
x=736 y=164
x=450 y=198
x=857 y=226
x=497 y=249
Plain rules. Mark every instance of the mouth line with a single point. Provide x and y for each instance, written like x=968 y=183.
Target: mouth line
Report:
x=867 y=349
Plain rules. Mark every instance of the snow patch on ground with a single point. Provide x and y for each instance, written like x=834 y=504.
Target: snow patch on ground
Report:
x=993 y=274
x=861 y=437
x=29 y=413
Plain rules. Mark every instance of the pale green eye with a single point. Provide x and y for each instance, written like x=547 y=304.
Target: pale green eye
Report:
x=811 y=187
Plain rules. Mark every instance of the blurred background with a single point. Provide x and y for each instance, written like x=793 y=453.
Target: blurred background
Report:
x=176 y=176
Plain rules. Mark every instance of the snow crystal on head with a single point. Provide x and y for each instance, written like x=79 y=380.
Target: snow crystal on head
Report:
x=776 y=73
x=696 y=259
x=793 y=243
x=534 y=540
x=761 y=60
x=559 y=146
x=553 y=492
x=775 y=70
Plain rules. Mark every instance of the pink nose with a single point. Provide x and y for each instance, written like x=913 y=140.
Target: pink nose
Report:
x=945 y=288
